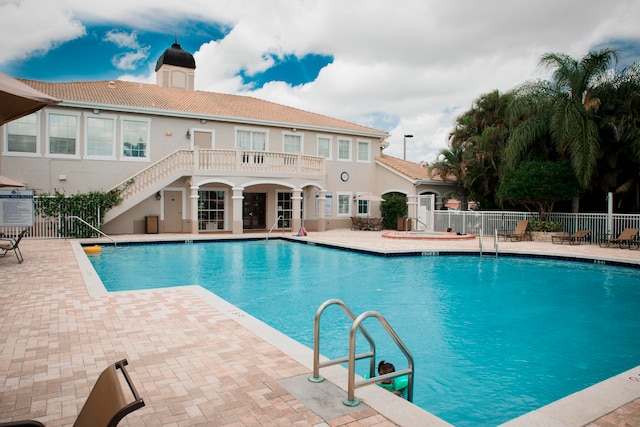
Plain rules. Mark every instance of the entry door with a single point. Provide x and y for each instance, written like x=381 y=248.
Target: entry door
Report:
x=173 y=212
x=254 y=211
x=202 y=139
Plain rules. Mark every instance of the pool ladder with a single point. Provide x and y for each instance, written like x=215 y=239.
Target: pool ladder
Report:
x=351 y=358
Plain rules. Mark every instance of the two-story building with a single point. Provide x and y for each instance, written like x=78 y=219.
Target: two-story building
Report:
x=202 y=161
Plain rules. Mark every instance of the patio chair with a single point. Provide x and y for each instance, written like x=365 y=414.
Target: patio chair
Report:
x=7 y=245
x=624 y=240
x=355 y=223
x=573 y=239
x=520 y=232
x=107 y=404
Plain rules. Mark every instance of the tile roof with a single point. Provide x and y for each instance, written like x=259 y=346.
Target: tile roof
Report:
x=199 y=103
x=412 y=170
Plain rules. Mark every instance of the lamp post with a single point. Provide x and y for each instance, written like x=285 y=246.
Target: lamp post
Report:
x=405 y=146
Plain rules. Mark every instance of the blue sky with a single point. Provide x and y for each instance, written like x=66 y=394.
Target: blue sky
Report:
x=407 y=67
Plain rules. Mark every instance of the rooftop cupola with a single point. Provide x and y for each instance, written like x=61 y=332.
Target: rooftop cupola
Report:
x=175 y=68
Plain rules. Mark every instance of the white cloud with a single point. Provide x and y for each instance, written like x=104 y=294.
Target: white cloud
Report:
x=127 y=60
x=413 y=65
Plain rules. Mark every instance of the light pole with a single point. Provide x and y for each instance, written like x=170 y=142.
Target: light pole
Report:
x=405 y=146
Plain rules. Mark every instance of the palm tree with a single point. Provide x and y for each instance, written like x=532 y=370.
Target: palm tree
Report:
x=568 y=106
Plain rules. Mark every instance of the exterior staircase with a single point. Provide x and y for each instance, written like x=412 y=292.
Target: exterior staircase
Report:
x=209 y=162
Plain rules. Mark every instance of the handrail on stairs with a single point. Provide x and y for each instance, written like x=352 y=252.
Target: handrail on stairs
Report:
x=93 y=228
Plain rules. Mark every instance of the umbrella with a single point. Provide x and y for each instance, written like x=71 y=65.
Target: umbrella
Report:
x=370 y=197
x=18 y=100
x=8 y=182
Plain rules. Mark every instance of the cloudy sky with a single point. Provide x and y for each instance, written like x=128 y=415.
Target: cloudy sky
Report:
x=404 y=66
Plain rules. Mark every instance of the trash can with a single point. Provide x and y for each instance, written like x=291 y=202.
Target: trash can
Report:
x=401 y=224
x=151 y=222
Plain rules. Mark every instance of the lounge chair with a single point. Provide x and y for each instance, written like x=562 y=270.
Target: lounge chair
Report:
x=520 y=233
x=7 y=245
x=573 y=239
x=624 y=240
x=107 y=404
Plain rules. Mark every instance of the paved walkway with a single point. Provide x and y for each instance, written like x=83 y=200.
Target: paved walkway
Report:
x=195 y=360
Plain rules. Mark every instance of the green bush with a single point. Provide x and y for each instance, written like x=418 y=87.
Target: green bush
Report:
x=546 y=226
x=393 y=207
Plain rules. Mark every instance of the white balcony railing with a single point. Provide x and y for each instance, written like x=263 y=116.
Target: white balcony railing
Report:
x=202 y=161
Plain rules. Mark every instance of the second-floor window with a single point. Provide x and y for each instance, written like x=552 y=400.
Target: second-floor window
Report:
x=100 y=137
x=135 y=137
x=364 y=151
x=344 y=149
x=22 y=135
x=63 y=134
x=324 y=147
x=251 y=140
x=292 y=143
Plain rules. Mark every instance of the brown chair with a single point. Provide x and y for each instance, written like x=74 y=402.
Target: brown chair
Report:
x=355 y=223
x=573 y=239
x=624 y=240
x=107 y=404
x=7 y=245
x=520 y=233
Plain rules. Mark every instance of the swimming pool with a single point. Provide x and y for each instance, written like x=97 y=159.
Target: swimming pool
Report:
x=492 y=338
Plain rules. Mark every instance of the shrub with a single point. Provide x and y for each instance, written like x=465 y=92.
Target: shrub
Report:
x=546 y=226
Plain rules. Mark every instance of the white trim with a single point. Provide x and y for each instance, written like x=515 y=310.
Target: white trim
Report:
x=350 y=141
x=147 y=157
x=212 y=117
x=365 y=141
x=349 y=204
x=5 y=145
x=85 y=138
x=60 y=112
x=330 y=138
x=291 y=133
x=253 y=130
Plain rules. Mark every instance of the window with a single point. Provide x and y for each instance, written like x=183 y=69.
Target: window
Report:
x=251 y=140
x=344 y=204
x=344 y=149
x=285 y=210
x=211 y=209
x=362 y=207
x=292 y=143
x=364 y=151
x=135 y=137
x=328 y=204
x=22 y=135
x=63 y=135
x=324 y=147
x=100 y=137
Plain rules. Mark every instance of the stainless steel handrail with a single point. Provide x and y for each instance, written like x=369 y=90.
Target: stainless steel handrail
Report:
x=93 y=228
x=274 y=225
x=352 y=356
x=351 y=400
x=316 y=378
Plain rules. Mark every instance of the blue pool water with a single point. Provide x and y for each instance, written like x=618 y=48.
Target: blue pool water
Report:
x=491 y=338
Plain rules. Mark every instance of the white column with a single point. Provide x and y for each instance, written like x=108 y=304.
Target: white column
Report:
x=296 y=197
x=193 y=198
x=322 y=199
x=236 y=226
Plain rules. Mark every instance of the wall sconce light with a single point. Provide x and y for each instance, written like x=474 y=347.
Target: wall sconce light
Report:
x=96 y=111
x=294 y=130
x=188 y=134
x=203 y=121
x=158 y=196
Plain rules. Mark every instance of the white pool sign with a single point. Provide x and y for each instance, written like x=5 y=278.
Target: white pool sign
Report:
x=16 y=208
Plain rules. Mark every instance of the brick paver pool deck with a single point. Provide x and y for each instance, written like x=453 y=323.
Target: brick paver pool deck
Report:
x=198 y=361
